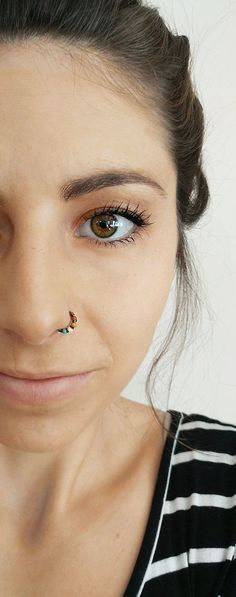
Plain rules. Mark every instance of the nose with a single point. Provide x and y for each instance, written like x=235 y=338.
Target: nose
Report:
x=34 y=301
x=34 y=322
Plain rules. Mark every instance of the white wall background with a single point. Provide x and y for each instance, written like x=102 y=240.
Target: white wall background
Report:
x=205 y=377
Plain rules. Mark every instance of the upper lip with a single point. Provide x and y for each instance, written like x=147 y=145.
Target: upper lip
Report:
x=44 y=375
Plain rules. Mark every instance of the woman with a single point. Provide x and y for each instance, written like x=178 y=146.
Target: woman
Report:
x=101 y=175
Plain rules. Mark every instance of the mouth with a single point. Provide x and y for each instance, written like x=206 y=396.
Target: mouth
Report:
x=38 y=376
x=44 y=390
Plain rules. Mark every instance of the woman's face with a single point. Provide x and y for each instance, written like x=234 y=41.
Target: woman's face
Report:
x=55 y=128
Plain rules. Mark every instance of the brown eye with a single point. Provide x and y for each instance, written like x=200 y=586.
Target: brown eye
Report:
x=105 y=225
x=106 y=222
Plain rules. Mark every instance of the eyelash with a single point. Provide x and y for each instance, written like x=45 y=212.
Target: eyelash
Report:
x=140 y=218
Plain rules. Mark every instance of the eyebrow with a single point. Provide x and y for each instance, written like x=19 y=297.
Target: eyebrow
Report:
x=106 y=178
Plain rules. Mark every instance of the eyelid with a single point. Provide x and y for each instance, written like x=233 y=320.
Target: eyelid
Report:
x=122 y=208
x=140 y=219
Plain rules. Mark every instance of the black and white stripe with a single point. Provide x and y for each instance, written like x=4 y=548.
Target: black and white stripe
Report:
x=189 y=545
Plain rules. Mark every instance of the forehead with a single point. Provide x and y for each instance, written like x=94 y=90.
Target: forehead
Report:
x=52 y=103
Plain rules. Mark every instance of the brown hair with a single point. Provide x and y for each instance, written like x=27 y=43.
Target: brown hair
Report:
x=139 y=55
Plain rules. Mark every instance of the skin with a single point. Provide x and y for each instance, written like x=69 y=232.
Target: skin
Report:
x=52 y=129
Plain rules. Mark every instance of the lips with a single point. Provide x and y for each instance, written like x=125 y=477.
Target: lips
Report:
x=43 y=391
x=44 y=375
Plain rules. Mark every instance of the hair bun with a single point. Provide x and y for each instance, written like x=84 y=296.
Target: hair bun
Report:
x=126 y=3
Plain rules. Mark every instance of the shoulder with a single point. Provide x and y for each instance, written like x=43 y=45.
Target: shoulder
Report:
x=141 y=414
x=199 y=510
x=207 y=445
x=208 y=435
x=203 y=474
x=140 y=440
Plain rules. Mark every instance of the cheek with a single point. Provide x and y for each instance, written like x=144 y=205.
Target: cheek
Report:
x=138 y=306
x=148 y=287
x=143 y=307
x=131 y=294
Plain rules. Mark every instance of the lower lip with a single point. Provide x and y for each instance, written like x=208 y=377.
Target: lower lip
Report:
x=34 y=392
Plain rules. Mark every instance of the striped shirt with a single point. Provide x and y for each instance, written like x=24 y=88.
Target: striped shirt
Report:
x=189 y=544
